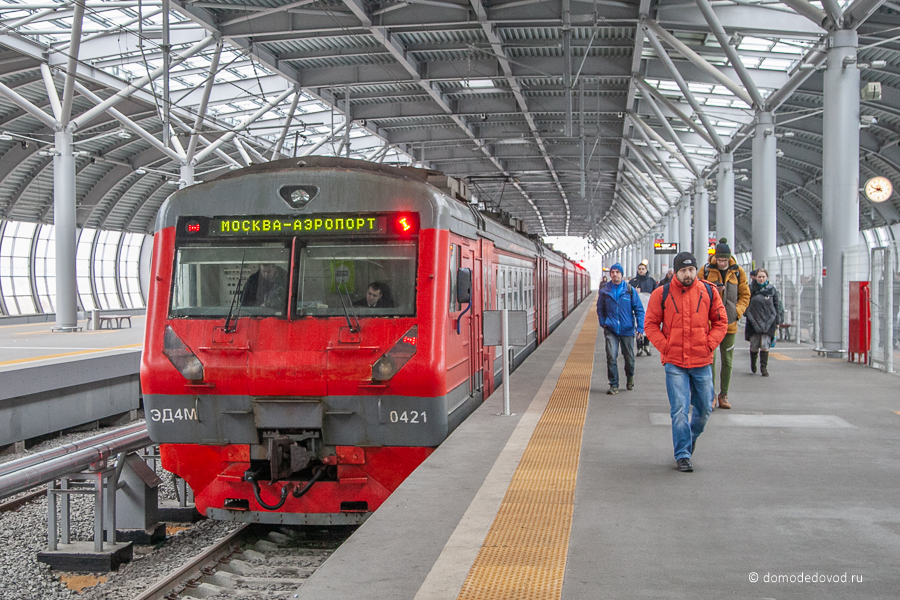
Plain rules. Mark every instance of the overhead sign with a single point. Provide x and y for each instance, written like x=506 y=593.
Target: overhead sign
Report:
x=307 y=225
x=665 y=248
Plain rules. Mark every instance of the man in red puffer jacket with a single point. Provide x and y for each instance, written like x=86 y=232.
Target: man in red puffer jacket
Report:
x=686 y=321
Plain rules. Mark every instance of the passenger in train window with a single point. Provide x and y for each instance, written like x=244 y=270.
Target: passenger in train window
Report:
x=621 y=315
x=686 y=321
x=731 y=281
x=377 y=296
x=266 y=288
x=764 y=315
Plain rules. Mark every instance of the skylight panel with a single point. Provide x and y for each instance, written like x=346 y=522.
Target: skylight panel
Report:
x=668 y=86
x=754 y=43
x=776 y=64
x=783 y=48
x=700 y=88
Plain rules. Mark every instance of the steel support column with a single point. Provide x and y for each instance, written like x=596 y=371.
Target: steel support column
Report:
x=725 y=198
x=187 y=176
x=701 y=221
x=64 y=222
x=684 y=224
x=672 y=232
x=840 y=183
x=764 y=188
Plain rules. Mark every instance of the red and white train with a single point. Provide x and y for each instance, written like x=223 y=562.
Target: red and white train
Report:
x=314 y=331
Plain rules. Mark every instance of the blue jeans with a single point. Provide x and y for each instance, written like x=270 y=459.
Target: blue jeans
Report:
x=612 y=353
x=686 y=388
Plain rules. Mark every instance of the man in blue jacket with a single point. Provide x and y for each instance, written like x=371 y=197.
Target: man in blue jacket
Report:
x=621 y=313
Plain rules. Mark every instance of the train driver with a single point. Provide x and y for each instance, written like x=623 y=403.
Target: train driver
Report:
x=377 y=296
x=266 y=288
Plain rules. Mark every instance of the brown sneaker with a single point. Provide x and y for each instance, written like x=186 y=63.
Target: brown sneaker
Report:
x=723 y=401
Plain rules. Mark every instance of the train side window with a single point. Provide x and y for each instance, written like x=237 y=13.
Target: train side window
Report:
x=454 y=267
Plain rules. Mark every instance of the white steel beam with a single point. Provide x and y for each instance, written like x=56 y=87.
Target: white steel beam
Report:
x=201 y=110
x=225 y=138
x=729 y=50
x=652 y=94
x=699 y=61
x=52 y=94
x=131 y=125
x=71 y=68
x=81 y=120
x=685 y=89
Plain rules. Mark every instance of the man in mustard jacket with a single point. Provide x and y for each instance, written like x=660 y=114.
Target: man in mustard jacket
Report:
x=730 y=279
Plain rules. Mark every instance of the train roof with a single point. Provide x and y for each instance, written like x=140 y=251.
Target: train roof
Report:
x=346 y=186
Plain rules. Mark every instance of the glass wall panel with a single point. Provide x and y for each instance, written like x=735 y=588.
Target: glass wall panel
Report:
x=45 y=268
x=105 y=250
x=15 y=267
x=129 y=270
x=83 y=268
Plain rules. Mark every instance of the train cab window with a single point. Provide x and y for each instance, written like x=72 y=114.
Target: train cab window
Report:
x=210 y=280
x=364 y=279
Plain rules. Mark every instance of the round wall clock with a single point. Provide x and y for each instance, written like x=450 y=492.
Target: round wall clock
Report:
x=879 y=189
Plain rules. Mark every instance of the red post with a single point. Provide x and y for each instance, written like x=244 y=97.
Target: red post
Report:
x=860 y=322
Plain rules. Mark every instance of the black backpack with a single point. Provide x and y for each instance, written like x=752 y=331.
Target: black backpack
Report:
x=665 y=294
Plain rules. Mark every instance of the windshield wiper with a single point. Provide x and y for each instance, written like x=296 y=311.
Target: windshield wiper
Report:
x=237 y=298
x=347 y=312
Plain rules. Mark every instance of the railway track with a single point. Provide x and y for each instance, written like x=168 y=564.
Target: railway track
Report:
x=252 y=561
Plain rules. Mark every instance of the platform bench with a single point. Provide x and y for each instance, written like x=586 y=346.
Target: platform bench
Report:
x=120 y=320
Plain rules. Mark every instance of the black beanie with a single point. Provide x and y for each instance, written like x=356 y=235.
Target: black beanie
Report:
x=722 y=249
x=684 y=259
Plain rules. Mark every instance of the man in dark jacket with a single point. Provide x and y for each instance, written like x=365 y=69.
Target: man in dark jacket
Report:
x=621 y=314
x=644 y=284
x=670 y=274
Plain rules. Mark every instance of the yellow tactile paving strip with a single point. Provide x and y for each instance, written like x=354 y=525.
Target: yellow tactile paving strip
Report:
x=63 y=354
x=524 y=553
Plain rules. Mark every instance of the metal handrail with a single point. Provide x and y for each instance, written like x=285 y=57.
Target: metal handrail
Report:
x=29 y=477
x=44 y=456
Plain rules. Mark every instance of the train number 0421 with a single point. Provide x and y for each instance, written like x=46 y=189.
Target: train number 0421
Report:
x=411 y=417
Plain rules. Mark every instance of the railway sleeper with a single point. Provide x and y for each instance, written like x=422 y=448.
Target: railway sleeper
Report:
x=245 y=569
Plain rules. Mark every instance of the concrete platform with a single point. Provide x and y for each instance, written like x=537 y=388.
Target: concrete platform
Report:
x=55 y=381
x=799 y=482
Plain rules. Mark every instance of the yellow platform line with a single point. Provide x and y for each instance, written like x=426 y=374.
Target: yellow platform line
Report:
x=64 y=354
x=524 y=553
x=780 y=356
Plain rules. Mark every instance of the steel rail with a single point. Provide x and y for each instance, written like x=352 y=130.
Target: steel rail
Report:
x=44 y=456
x=192 y=569
x=29 y=477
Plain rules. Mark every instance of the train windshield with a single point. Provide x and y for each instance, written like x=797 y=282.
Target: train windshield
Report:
x=209 y=280
x=366 y=279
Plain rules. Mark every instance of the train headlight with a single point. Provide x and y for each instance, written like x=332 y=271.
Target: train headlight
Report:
x=396 y=358
x=181 y=356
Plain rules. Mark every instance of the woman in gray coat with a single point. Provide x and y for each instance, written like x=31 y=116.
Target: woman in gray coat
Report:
x=764 y=315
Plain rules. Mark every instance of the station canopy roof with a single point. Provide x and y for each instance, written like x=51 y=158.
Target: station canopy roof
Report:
x=581 y=117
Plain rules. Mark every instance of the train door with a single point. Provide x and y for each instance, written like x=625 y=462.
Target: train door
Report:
x=565 y=292
x=471 y=327
x=541 y=303
x=472 y=259
x=487 y=286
